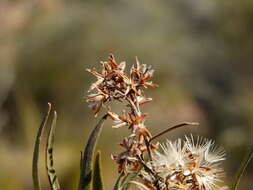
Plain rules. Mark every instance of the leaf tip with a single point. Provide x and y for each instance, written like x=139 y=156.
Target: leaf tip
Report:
x=49 y=105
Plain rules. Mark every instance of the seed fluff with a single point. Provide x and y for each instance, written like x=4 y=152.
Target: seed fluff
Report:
x=186 y=165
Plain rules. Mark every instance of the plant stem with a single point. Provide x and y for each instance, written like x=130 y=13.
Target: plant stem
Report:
x=172 y=128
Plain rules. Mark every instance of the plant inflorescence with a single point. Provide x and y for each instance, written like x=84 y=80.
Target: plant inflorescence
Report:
x=185 y=164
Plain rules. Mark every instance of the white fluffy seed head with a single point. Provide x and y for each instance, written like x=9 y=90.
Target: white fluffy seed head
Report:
x=186 y=164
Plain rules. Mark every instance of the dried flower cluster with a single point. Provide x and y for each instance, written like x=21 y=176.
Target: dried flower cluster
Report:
x=183 y=165
x=114 y=84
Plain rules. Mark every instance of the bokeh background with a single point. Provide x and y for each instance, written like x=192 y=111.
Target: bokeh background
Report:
x=202 y=52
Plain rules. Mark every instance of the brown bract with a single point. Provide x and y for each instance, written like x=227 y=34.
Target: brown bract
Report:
x=113 y=84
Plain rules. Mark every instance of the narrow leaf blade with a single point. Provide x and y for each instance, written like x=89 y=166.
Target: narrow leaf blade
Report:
x=242 y=168
x=51 y=173
x=86 y=161
x=117 y=185
x=97 y=174
x=126 y=181
x=36 y=152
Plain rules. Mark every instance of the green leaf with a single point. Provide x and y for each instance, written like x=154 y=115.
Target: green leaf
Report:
x=129 y=177
x=97 y=174
x=86 y=160
x=242 y=168
x=51 y=173
x=117 y=185
x=36 y=152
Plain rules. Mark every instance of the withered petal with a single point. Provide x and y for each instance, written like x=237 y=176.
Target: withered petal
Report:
x=122 y=66
x=113 y=116
x=119 y=125
x=95 y=73
x=112 y=62
x=140 y=119
x=96 y=98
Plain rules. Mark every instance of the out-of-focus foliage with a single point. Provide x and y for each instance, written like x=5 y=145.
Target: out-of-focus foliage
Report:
x=241 y=170
x=201 y=51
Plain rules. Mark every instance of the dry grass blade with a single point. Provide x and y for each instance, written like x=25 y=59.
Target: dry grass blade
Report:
x=86 y=161
x=36 y=152
x=52 y=177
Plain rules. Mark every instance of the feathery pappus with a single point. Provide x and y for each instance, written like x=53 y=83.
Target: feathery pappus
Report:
x=186 y=165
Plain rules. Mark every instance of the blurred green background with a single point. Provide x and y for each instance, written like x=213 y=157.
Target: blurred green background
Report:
x=202 y=52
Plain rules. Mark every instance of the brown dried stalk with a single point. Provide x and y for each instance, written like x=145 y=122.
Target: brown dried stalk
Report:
x=113 y=84
x=172 y=128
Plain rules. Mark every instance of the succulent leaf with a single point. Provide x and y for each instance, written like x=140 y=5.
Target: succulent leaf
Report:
x=86 y=160
x=97 y=173
x=36 y=152
x=52 y=177
x=117 y=185
x=126 y=181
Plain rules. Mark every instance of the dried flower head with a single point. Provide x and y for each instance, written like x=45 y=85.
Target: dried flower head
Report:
x=113 y=84
x=185 y=165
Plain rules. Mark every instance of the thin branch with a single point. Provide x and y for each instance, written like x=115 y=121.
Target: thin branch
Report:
x=137 y=104
x=156 y=176
x=135 y=109
x=148 y=147
x=172 y=128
